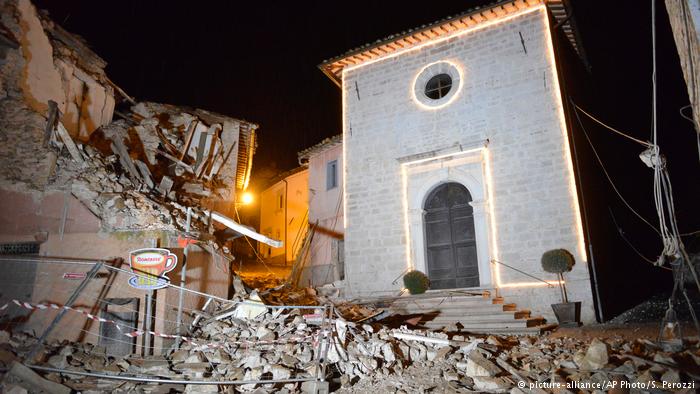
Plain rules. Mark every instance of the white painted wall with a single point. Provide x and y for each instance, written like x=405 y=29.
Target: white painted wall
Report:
x=326 y=207
x=529 y=204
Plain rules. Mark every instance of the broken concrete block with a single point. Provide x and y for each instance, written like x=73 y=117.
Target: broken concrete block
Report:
x=166 y=184
x=477 y=365
x=596 y=357
x=34 y=381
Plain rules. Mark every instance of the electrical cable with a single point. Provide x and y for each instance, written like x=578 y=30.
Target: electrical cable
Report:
x=644 y=143
x=622 y=235
x=607 y=175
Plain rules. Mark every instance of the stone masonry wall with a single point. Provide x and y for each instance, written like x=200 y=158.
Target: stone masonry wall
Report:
x=509 y=96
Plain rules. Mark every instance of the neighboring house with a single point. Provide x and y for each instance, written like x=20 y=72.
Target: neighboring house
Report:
x=284 y=210
x=457 y=159
x=325 y=262
x=99 y=201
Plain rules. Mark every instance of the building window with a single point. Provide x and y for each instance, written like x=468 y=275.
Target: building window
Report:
x=438 y=86
x=332 y=174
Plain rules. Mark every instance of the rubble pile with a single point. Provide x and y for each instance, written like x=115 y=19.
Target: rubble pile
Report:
x=253 y=343
x=141 y=173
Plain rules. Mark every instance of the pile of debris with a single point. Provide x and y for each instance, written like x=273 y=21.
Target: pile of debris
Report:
x=250 y=343
x=57 y=109
x=140 y=173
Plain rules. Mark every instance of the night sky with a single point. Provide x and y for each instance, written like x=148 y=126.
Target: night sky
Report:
x=258 y=61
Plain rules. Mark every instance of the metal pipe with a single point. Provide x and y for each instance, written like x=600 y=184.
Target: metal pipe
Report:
x=147 y=326
x=76 y=293
x=173 y=381
x=183 y=278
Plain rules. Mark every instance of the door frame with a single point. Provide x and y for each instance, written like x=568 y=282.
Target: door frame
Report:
x=421 y=179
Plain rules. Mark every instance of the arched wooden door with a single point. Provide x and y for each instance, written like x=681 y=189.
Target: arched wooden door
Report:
x=450 y=238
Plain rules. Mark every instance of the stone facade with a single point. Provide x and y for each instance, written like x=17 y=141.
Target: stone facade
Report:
x=501 y=134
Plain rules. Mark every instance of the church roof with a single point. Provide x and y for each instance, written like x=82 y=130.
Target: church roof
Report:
x=560 y=10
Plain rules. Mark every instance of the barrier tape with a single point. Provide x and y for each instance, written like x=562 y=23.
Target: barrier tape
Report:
x=137 y=333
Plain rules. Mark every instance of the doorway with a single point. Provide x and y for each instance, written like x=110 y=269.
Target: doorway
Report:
x=450 y=238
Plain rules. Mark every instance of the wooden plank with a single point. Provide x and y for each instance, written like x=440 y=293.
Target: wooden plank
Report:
x=145 y=173
x=499 y=11
x=177 y=161
x=68 y=142
x=50 y=121
x=188 y=141
x=120 y=150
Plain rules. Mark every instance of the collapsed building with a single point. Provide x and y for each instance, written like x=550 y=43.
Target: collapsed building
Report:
x=81 y=179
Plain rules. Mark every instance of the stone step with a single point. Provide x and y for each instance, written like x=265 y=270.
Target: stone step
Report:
x=449 y=307
x=488 y=322
x=537 y=330
x=437 y=303
x=466 y=313
x=500 y=317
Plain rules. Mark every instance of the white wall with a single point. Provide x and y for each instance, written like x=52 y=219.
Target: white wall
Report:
x=507 y=96
x=326 y=207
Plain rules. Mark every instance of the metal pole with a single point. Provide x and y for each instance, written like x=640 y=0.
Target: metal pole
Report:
x=170 y=381
x=183 y=278
x=71 y=300
x=147 y=323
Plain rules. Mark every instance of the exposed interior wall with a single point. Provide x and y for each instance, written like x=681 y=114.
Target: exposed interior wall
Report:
x=507 y=95
x=32 y=74
x=283 y=215
x=326 y=207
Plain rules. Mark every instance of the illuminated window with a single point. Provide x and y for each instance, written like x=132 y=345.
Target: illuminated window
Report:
x=438 y=86
x=332 y=174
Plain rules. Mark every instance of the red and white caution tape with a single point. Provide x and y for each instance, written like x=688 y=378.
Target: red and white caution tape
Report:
x=126 y=331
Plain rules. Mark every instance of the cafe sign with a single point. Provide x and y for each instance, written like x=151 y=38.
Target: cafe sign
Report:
x=150 y=266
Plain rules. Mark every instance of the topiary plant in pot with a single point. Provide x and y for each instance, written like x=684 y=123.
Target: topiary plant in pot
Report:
x=559 y=261
x=416 y=282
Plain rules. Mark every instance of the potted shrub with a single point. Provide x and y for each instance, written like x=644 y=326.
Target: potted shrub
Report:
x=559 y=261
x=416 y=282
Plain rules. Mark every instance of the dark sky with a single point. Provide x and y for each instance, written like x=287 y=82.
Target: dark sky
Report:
x=256 y=60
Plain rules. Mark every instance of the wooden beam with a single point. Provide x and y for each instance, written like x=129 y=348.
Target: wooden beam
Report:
x=499 y=11
x=510 y=7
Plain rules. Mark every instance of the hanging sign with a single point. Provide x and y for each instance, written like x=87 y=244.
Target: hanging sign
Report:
x=151 y=265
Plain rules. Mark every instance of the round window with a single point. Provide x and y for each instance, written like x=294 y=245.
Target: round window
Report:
x=438 y=86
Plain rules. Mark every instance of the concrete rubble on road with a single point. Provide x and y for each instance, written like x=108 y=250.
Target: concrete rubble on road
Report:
x=360 y=357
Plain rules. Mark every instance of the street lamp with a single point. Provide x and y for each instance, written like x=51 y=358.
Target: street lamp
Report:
x=246 y=198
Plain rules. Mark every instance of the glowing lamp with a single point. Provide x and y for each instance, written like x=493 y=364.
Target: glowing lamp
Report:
x=246 y=198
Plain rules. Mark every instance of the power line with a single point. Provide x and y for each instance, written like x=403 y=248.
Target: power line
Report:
x=595 y=152
x=644 y=143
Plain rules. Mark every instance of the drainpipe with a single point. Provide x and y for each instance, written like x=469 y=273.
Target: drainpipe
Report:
x=597 y=304
x=286 y=188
